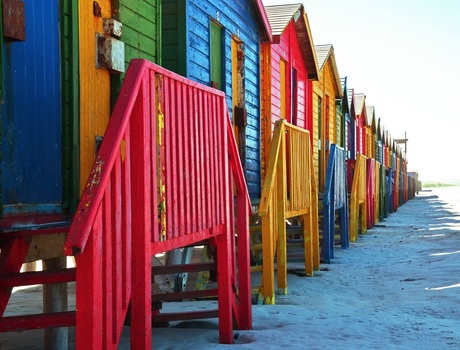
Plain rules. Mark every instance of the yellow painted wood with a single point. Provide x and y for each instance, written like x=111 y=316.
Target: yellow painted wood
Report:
x=266 y=106
x=94 y=85
x=358 y=198
x=314 y=223
x=293 y=143
x=269 y=181
x=324 y=89
x=282 y=89
x=280 y=204
x=267 y=288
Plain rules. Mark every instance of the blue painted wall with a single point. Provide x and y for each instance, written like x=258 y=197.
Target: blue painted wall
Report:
x=191 y=21
x=31 y=113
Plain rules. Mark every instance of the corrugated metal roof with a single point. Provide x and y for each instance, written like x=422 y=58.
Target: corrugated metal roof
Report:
x=359 y=103
x=370 y=110
x=279 y=16
x=323 y=54
x=350 y=94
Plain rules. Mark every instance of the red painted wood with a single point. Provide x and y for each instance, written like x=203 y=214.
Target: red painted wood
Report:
x=287 y=48
x=38 y=277
x=32 y=232
x=14 y=251
x=191 y=315
x=116 y=228
x=141 y=322
x=29 y=322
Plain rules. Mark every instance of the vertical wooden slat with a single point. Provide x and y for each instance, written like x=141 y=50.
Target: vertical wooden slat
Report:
x=207 y=156
x=107 y=266
x=117 y=246
x=155 y=107
x=192 y=140
x=212 y=160
x=126 y=222
x=89 y=294
x=201 y=171
x=172 y=213
x=187 y=166
x=280 y=195
x=225 y=264
x=141 y=321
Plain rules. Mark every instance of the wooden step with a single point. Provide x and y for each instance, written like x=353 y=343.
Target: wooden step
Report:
x=38 y=277
x=37 y=321
x=194 y=294
x=181 y=316
x=170 y=269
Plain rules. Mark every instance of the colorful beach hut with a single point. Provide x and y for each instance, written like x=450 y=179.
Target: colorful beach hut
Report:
x=325 y=92
x=218 y=44
x=288 y=67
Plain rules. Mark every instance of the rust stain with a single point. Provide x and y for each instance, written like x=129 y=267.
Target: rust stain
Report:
x=97 y=10
x=14 y=22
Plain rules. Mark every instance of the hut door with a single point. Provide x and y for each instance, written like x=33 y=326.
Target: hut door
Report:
x=31 y=113
x=238 y=98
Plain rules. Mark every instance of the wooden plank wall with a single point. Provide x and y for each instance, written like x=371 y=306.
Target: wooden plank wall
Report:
x=94 y=85
x=141 y=21
x=239 y=19
x=322 y=88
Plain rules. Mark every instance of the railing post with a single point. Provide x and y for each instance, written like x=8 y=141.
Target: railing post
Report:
x=268 y=272
x=142 y=208
x=244 y=262
x=281 y=194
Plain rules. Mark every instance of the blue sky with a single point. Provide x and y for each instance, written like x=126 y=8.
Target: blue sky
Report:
x=404 y=55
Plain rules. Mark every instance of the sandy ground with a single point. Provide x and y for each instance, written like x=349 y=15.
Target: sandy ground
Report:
x=397 y=287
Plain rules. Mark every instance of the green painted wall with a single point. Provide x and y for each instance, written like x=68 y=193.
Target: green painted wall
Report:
x=174 y=40
x=141 y=21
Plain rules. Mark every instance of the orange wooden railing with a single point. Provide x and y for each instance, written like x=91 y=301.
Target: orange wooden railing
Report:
x=289 y=191
x=164 y=178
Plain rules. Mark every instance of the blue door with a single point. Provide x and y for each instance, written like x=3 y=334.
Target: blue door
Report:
x=31 y=114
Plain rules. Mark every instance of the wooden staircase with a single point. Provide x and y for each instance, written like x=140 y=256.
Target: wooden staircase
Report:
x=15 y=240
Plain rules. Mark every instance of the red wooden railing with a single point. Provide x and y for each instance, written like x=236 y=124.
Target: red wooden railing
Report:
x=164 y=178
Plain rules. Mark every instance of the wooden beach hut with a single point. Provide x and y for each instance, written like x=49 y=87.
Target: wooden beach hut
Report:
x=218 y=44
x=288 y=67
x=325 y=92
x=361 y=122
x=76 y=54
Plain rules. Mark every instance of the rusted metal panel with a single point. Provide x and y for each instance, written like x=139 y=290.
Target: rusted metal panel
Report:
x=110 y=53
x=14 y=21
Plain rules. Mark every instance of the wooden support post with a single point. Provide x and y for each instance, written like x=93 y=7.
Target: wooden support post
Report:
x=307 y=231
x=268 y=270
x=244 y=263
x=280 y=204
x=142 y=226
x=55 y=300
x=224 y=285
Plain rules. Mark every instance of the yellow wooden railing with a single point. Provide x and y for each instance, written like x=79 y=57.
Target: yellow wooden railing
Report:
x=289 y=191
x=358 y=198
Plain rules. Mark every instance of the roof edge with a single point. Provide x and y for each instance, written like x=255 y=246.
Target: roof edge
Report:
x=264 y=20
